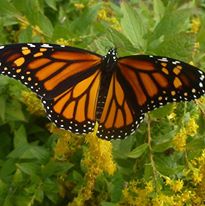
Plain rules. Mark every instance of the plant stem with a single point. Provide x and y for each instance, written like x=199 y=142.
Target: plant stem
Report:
x=151 y=154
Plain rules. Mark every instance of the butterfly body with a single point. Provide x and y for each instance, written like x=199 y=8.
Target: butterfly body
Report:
x=78 y=87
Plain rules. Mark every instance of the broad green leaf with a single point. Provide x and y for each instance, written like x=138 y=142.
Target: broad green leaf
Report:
x=51 y=190
x=133 y=26
x=166 y=165
x=19 y=151
x=29 y=168
x=14 y=111
x=138 y=151
x=54 y=167
x=163 y=111
x=18 y=178
x=179 y=46
x=20 y=137
x=37 y=152
x=4 y=188
x=44 y=24
x=83 y=22
x=117 y=185
x=7 y=8
x=159 y=9
x=51 y=3
x=172 y=23
x=7 y=169
x=39 y=194
x=121 y=42
x=162 y=147
x=25 y=35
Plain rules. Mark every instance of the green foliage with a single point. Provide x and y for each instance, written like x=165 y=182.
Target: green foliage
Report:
x=31 y=173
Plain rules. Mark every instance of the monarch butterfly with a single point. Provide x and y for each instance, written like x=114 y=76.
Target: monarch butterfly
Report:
x=79 y=87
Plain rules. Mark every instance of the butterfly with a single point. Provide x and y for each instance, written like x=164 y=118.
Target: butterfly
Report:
x=78 y=87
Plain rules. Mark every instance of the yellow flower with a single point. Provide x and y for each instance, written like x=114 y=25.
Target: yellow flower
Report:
x=195 y=24
x=185 y=196
x=67 y=142
x=33 y=103
x=149 y=187
x=102 y=14
x=197 y=176
x=175 y=185
x=97 y=159
x=79 y=6
x=171 y=116
x=163 y=200
x=179 y=141
x=191 y=127
x=62 y=41
x=107 y=15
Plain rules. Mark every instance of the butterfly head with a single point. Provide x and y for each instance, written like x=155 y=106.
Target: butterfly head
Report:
x=110 y=58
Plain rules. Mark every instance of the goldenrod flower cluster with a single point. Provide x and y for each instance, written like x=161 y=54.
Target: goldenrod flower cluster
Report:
x=33 y=103
x=65 y=42
x=136 y=195
x=67 y=142
x=139 y=193
x=196 y=171
x=79 y=6
x=107 y=15
x=179 y=141
x=175 y=185
x=195 y=24
x=97 y=159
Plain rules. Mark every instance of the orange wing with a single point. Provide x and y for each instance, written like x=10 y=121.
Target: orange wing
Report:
x=75 y=109
x=47 y=69
x=67 y=79
x=118 y=118
x=154 y=81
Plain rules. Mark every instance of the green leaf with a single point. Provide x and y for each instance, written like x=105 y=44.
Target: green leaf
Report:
x=4 y=189
x=163 y=146
x=159 y=9
x=20 y=137
x=179 y=46
x=14 y=111
x=54 y=167
x=133 y=26
x=163 y=111
x=7 y=169
x=138 y=151
x=30 y=168
x=83 y=22
x=117 y=186
x=172 y=23
x=51 y=190
x=36 y=152
x=6 y=8
x=39 y=194
x=51 y=3
x=121 y=41
x=25 y=35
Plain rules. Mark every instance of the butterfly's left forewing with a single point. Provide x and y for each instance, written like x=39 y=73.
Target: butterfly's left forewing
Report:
x=66 y=79
x=47 y=69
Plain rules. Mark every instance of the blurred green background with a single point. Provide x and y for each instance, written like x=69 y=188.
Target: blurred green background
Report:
x=163 y=163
